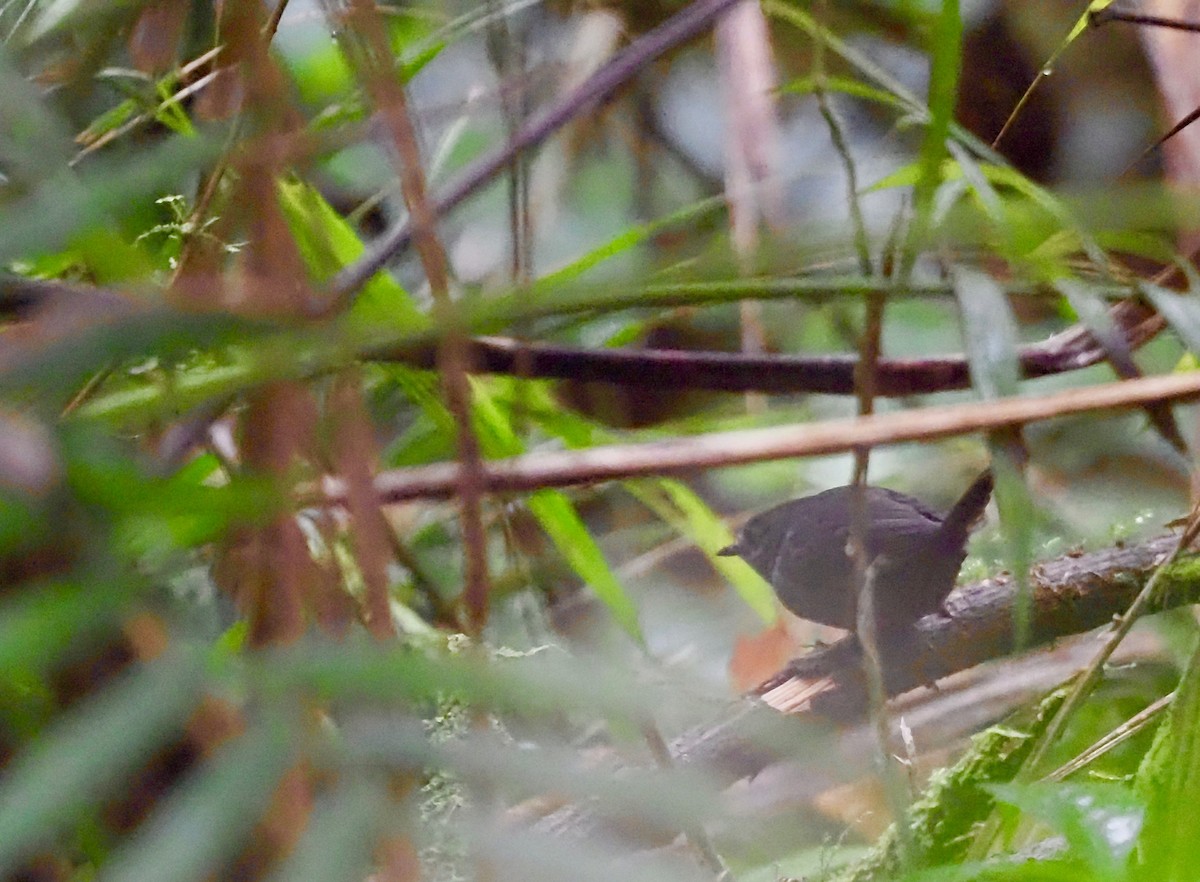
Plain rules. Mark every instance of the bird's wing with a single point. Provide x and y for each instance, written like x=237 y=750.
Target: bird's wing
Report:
x=897 y=520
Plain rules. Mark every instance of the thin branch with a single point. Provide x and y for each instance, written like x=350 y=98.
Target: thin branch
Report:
x=681 y=28
x=376 y=64
x=1097 y=17
x=719 y=449
x=272 y=23
x=1071 y=349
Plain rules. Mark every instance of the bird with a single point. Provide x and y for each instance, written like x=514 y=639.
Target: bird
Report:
x=800 y=548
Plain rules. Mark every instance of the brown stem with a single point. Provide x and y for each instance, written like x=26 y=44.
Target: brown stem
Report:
x=681 y=28
x=1072 y=349
x=619 y=461
x=377 y=69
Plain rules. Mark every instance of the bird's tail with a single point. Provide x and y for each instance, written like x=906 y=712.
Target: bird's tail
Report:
x=969 y=508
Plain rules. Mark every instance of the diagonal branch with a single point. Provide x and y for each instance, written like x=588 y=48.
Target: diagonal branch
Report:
x=620 y=461
x=1072 y=594
x=681 y=28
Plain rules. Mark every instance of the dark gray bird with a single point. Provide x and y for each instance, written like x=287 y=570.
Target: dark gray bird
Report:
x=800 y=548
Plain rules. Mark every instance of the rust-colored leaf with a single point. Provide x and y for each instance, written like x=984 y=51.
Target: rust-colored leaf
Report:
x=756 y=657
x=154 y=39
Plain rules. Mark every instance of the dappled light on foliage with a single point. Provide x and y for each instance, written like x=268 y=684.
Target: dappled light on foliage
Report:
x=400 y=405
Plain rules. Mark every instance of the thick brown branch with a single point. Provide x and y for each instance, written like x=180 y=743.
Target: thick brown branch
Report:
x=1071 y=594
x=1070 y=350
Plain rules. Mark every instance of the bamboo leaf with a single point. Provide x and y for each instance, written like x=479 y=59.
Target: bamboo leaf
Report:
x=1182 y=312
x=847 y=86
x=1099 y=821
x=678 y=505
x=90 y=750
x=945 y=53
x=1168 y=848
x=327 y=243
x=209 y=817
x=558 y=517
x=562 y=523
x=989 y=333
x=66 y=205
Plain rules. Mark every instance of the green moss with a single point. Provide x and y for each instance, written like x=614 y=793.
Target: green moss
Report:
x=956 y=803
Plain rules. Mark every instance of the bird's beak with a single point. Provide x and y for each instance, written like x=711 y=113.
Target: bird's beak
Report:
x=729 y=551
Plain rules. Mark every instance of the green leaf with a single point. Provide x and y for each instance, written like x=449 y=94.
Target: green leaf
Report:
x=54 y=371
x=60 y=17
x=90 y=750
x=801 y=19
x=37 y=627
x=109 y=121
x=1182 y=312
x=209 y=817
x=557 y=516
x=1168 y=780
x=1100 y=821
x=990 y=336
x=945 y=53
x=865 y=65
x=989 y=333
x=34 y=143
x=1017 y=518
x=630 y=238
x=847 y=86
x=328 y=243
x=976 y=178
x=1092 y=311
x=678 y=505
x=66 y=204
x=412 y=64
x=562 y=523
x=321 y=74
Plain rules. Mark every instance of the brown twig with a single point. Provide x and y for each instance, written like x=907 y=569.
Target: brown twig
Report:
x=376 y=65
x=452 y=353
x=681 y=28
x=271 y=25
x=1097 y=17
x=719 y=449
